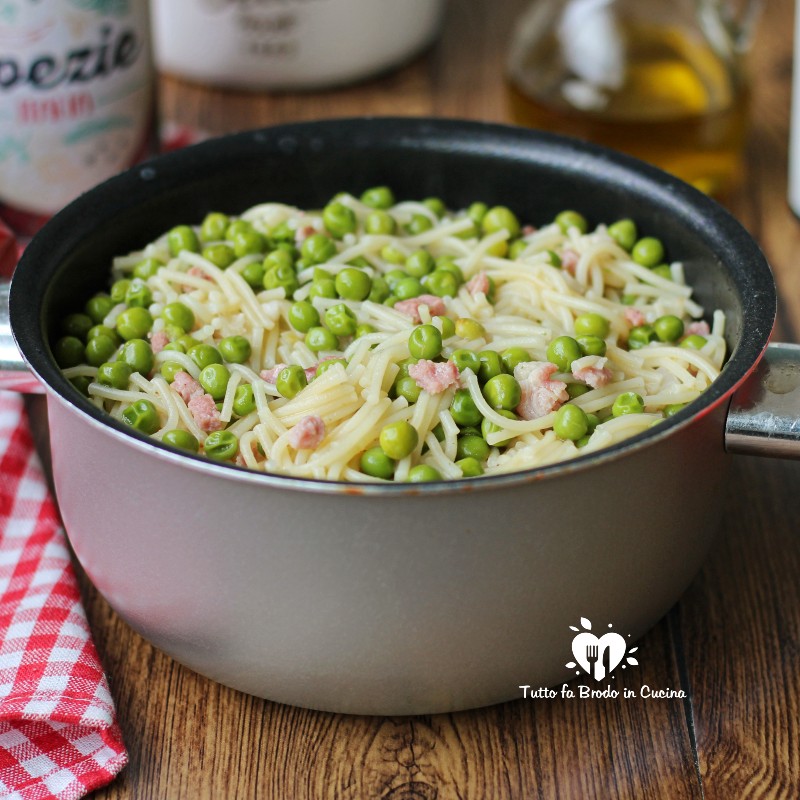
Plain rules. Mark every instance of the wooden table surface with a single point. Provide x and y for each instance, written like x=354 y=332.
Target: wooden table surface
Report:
x=732 y=643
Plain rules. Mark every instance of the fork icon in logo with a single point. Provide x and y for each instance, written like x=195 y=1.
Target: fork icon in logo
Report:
x=592 y=656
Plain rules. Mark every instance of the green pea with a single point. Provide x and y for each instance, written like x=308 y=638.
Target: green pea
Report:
x=673 y=408
x=512 y=356
x=624 y=233
x=341 y=320
x=407 y=288
x=466 y=359
x=577 y=389
x=435 y=205
x=278 y=258
x=214 y=226
x=220 y=255
x=235 y=349
x=392 y=254
x=214 y=379
x=318 y=339
x=463 y=409
x=592 y=345
x=470 y=467
x=182 y=440
x=562 y=351
x=181 y=238
x=244 y=400
x=248 y=242
x=488 y=427
x=221 y=445
x=477 y=211
x=571 y=219
x=99 y=307
x=81 y=383
x=472 y=447
x=187 y=342
x=640 y=336
x=468 y=328
x=570 y=423
x=103 y=330
x=115 y=374
x=142 y=416
x=282 y=232
x=147 y=268
x=68 y=352
x=138 y=294
x=179 y=314
x=118 y=290
x=695 y=342
x=204 y=354
x=398 y=439
x=517 y=248
x=446 y=264
x=406 y=386
x=303 y=316
x=500 y=218
x=253 y=273
x=419 y=223
x=648 y=251
x=425 y=341
x=77 y=325
x=328 y=364
x=446 y=325
x=318 y=249
x=169 y=369
x=423 y=473
x=394 y=276
x=594 y=421
x=380 y=223
x=491 y=365
x=324 y=287
x=291 y=381
x=663 y=271
x=281 y=277
x=378 y=197
x=338 y=219
x=134 y=323
x=627 y=403
x=592 y=325
x=502 y=392
x=420 y=263
x=668 y=328
x=364 y=329
x=554 y=259
x=376 y=463
x=138 y=355
x=353 y=284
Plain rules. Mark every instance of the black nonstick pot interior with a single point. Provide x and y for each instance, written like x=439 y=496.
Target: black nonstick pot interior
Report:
x=535 y=174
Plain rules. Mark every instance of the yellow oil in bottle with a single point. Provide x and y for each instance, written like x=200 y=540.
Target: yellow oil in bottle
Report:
x=677 y=105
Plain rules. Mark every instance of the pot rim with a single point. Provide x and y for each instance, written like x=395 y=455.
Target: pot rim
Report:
x=753 y=277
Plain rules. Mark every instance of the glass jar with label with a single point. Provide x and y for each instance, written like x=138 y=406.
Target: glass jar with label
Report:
x=77 y=100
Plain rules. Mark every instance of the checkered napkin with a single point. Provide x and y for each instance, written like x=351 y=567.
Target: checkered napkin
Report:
x=59 y=736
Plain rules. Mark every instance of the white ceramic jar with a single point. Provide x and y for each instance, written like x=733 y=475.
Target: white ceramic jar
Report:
x=289 y=44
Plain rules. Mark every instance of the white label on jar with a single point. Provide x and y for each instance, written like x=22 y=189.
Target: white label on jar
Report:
x=76 y=96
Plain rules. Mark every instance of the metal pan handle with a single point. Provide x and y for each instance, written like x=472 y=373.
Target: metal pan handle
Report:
x=764 y=414
x=14 y=373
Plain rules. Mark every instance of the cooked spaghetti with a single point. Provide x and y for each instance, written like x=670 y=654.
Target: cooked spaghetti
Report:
x=376 y=340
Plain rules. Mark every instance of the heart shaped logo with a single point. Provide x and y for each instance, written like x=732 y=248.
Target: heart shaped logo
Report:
x=599 y=656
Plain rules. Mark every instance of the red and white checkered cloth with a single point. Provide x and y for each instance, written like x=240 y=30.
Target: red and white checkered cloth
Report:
x=59 y=736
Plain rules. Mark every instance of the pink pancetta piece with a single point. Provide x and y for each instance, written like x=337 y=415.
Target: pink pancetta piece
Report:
x=700 y=328
x=308 y=433
x=205 y=413
x=158 y=341
x=433 y=376
x=540 y=395
x=479 y=283
x=198 y=272
x=411 y=306
x=186 y=386
x=527 y=230
x=302 y=233
x=271 y=375
x=591 y=370
x=569 y=261
x=634 y=317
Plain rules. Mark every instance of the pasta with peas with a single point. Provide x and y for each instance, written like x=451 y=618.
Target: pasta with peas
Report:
x=377 y=340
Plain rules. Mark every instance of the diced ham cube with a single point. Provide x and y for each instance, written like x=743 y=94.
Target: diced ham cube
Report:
x=700 y=328
x=308 y=433
x=479 y=283
x=591 y=370
x=205 y=413
x=569 y=261
x=540 y=395
x=186 y=386
x=411 y=306
x=271 y=375
x=634 y=317
x=158 y=341
x=433 y=376
x=302 y=233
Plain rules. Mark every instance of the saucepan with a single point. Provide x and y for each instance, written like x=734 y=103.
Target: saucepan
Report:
x=408 y=598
